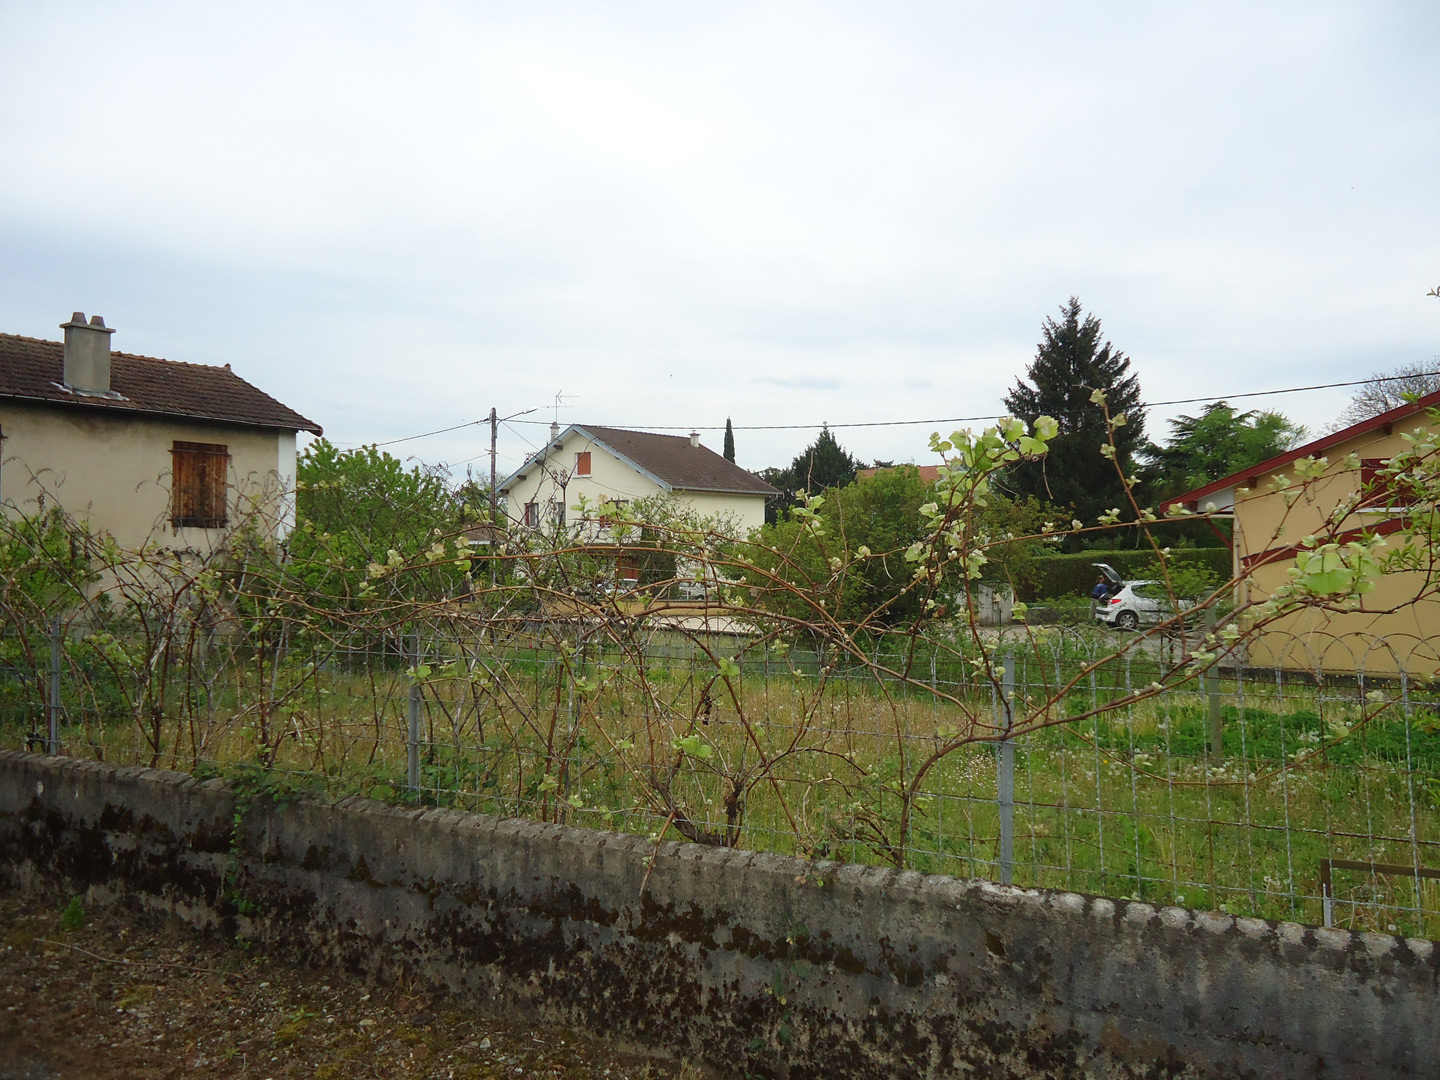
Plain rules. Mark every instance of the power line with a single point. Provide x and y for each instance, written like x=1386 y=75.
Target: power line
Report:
x=1293 y=389
x=997 y=416
x=940 y=420
x=427 y=434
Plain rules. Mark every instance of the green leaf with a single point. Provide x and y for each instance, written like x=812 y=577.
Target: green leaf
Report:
x=693 y=746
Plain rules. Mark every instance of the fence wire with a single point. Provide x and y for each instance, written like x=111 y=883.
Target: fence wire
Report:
x=1289 y=792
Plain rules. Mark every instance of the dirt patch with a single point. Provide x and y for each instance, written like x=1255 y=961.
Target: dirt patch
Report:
x=101 y=996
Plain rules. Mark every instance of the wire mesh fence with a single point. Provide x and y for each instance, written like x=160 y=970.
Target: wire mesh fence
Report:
x=1074 y=758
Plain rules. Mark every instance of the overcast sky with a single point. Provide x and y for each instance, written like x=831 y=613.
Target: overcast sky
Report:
x=394 y=217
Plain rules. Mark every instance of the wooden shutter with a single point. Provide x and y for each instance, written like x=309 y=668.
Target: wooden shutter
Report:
x=582 y=463
x=199 y=478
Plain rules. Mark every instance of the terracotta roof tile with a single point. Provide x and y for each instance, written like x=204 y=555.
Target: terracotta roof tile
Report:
x=928 y=473
x=33 y=370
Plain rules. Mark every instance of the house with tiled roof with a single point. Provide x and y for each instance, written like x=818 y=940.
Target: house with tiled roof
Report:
x=1280 y=512
x=607 y=467
x=143 y=449
x=929 y=474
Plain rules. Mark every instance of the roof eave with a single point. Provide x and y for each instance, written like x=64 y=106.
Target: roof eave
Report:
x=537 y=458
x=731 y=491
x=136 y=410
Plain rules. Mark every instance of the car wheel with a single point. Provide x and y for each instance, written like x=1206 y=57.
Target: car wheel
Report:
x=1127 y=620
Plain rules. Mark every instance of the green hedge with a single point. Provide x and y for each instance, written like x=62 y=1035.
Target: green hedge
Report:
x=1066 y=575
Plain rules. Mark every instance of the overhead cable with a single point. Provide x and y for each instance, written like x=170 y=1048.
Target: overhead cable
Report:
x=936 y=421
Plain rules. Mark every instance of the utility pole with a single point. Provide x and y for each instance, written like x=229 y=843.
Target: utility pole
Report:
x=495 y=422
x=494 y=503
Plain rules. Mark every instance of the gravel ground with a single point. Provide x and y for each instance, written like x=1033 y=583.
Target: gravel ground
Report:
x=94 y=997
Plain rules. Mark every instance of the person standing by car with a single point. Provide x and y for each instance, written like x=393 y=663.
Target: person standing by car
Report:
x=1099 y=594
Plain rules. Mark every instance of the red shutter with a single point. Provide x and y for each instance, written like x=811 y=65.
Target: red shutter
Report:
x=1380 y=490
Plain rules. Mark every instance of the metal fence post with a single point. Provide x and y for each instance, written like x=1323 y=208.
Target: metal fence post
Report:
x=1212 y=682
x=412 y=745
x=1327 y=894
x=53 y=707
x=1005 y=776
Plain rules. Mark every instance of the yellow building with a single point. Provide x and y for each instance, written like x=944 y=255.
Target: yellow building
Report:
x=1278 y=504
x=149 y=451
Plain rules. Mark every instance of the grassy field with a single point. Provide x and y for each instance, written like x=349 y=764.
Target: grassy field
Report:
x=798 y=754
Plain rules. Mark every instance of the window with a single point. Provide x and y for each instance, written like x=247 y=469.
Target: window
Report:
x=582 y=463
x=532 y=514
x=1381 y=492
x=557 y=512
x=199 y=475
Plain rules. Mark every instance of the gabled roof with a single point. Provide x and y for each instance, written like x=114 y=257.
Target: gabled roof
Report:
x=34 y=370
x=1384 y=423
x=669 y=460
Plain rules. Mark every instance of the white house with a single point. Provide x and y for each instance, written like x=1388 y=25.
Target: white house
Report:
x=618 y=466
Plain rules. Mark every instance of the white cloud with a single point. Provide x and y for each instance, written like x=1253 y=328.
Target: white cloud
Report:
x=394 y=218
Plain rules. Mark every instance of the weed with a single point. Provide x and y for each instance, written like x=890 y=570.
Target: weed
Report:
x=72 y=916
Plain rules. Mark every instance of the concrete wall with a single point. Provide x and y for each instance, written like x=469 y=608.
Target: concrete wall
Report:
x=750 y=962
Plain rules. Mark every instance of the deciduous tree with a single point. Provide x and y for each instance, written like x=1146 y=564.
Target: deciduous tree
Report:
x=359 y=510
x=1216 y=443
x=1389 y=391
x=850 y=556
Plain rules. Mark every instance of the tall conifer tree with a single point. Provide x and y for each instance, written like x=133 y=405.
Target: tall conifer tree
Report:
x=729 y=442
x=1070 y=364
x=823 y=464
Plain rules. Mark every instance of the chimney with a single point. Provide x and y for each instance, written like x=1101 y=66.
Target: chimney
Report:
x=694 y=438
x=87 y=354
x=554 y=430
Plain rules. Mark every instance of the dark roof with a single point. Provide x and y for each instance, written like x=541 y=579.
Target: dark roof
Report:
x=1250 y=477
x=33 y=370
x=670 y=460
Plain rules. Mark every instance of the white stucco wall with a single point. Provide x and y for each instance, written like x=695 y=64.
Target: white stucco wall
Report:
x=610 y=478
x=113 y=471
x=286 y=470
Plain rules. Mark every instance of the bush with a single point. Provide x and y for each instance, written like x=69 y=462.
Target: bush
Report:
x=1073 y=575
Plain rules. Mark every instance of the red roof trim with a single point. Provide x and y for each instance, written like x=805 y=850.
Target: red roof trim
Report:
x=1385 y=420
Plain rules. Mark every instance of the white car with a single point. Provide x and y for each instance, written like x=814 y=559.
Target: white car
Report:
x=1138 y=603
x=692 y=590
